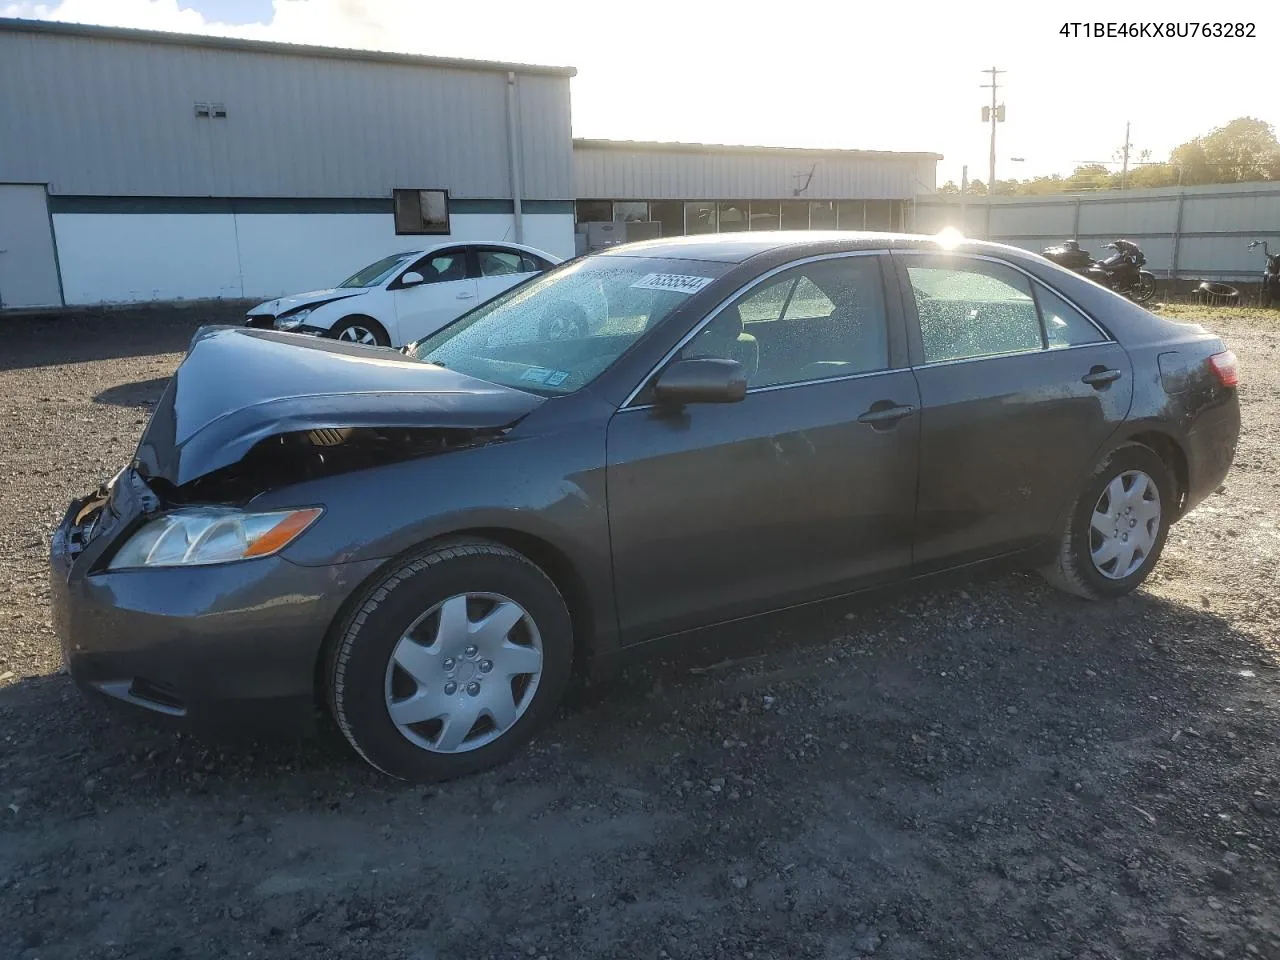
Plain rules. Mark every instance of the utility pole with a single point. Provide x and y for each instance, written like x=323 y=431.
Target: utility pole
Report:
x=995 y=114
x=964 y=197
x=1124 y=170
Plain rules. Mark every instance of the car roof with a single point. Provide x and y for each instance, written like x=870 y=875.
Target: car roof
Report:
x=499 y=244
x=737 y=247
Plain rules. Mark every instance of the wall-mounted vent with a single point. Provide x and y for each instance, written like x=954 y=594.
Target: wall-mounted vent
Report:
x=218 y=110
x=202 y=110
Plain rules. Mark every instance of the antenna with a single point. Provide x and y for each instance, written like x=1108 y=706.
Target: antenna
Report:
x=807 y=180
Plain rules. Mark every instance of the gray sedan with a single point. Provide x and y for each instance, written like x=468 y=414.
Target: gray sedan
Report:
x=429 y=543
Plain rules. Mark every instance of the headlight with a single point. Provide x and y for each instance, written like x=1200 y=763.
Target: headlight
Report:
x=198 y=535
x=293 y=320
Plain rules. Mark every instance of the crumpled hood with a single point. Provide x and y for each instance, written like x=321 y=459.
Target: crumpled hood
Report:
x=238 y=386
x=284 y=305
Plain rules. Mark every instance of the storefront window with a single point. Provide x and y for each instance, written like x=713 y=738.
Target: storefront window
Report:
x=880 y=215
x=850 y=215
x=592 y=211
x=795 y=215
x=822 y=215
x=670 y=214
x=733 y=215
x=765 y=214
x=700 y=216
x=629 y=210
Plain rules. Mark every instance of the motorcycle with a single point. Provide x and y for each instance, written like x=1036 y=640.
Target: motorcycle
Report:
x=1121 y=271
x=1068 y=254
x=1269 y=293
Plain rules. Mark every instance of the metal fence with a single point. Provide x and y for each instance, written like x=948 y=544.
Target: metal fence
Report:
x=1186 y=233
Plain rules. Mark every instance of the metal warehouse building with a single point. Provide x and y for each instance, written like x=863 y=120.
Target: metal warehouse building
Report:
x=141 y=166
x=699 y=188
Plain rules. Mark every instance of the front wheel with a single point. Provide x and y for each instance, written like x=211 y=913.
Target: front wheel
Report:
x=451 y=662
x=1117 y=527
x=363 y=330
x=1145 y=288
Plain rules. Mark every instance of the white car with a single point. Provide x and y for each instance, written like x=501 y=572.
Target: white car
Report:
x=406 y=296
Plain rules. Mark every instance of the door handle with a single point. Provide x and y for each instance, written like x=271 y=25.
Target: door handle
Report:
x=465 y=296
x=884 y=413
x=1100 y=377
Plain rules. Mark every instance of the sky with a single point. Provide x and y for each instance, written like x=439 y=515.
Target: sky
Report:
x=815 y=73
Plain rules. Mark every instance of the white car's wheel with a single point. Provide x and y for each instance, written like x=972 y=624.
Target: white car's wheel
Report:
x=358 y=329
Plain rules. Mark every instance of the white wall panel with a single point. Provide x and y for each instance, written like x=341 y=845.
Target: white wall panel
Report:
x=125 y=258
x=129 y=258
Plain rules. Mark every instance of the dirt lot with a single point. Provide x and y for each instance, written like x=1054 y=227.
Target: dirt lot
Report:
x=991 y=771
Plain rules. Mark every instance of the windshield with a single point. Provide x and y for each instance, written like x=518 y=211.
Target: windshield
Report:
x=375 y=272
x=559 y=332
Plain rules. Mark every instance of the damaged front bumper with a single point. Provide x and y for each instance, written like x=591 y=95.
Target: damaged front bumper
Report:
x=231 y=646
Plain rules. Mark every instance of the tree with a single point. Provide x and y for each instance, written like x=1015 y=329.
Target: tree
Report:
x=1244 y=150
x=1153 y=175
x=1090 y=176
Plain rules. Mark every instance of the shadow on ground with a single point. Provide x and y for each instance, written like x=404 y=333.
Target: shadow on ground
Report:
x=994 y=771
x=143 y=393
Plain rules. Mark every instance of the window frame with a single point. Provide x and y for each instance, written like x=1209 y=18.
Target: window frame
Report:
x=898 y=358
x=1036 y=288
x=942 y=259
x=414 y=266
x=425 y=231
x=475 y=249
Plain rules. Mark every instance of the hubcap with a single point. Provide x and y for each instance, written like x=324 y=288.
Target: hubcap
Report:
x=1125 y=525
x=358 y=334
x=464 y=672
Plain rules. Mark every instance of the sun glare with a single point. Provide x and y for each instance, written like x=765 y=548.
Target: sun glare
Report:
x=949 y=237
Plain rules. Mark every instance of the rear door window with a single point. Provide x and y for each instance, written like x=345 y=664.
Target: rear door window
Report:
x=502 y=263
x=973 y=308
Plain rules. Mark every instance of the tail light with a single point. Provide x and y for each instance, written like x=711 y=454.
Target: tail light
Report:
x=1224 y=365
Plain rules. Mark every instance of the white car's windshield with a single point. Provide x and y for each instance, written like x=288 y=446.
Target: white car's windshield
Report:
x=375 y=272
x=559 y=332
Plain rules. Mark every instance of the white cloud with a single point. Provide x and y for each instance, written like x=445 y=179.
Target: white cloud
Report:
x=809 y=72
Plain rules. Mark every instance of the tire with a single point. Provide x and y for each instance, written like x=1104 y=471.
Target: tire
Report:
x=1075 y=570
x=396 y=620
x=353 y=329
x=1145 y=288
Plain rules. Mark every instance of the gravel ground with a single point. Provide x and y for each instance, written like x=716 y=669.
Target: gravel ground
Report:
x=993 y=770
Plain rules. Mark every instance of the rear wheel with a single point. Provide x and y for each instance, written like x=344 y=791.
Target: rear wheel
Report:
x=452 y=662
x=1117 y=527
x=358 y=329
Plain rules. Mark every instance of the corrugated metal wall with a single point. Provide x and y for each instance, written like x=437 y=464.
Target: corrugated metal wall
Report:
x=113 y=117
x=616 y=173
x=1190 y=233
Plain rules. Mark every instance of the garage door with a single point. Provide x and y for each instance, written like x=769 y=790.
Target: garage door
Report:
x=28 y=270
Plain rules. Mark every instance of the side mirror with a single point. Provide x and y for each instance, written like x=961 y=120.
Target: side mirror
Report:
x=1254 y=243
x=412 y=279
x=701 y=381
